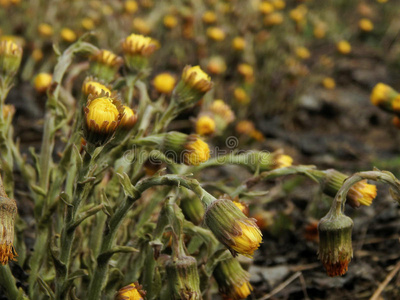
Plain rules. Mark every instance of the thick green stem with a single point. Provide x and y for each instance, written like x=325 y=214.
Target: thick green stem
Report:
x=7 y=281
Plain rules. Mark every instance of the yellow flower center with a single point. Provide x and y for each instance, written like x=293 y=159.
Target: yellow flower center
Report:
x=196 y=152
x=164 y=83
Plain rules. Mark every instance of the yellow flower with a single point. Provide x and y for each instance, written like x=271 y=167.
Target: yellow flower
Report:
x=37 y=54
x=129 y=292
x=68 y=35
x=302 y=52
x=45 y=30
x=275 y=18
x=246 y=70
x=319 y=31
x=170 y=21
x=196 y=78
x=396 y=104
x=242 y=292
x=382 y=93
x=205 y=125
x=197 y=151
x=221 y=109
x=216 y=34
x=209 y=17
x=238 y=43
x=108 y=58
x=42 y=82
x=297 y=14
x=216 y=65
x=328 y=83
x=248 y=240
x=95 y=88
x=10 y=57
x=265 y=7
x=138 y=44
x=241 y=96
x=362 y=193
x=281 y=161
x=164 y=83
x=366 y=25
x=131 y=6
x=87 y=23
x=102 y=115
x=279 y=4
x=242 y=206
x=128 y=119
x=343 y=47
x=141 y=26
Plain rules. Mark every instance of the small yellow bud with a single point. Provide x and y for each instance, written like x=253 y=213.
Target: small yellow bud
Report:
x=281 y=160
x=265 y=7
x=138 y=44
x=68 y=35
x=302 y=53
x=222 y=110
x=10 y=57
x=196 y=78
x=87 y=23
x=275 y=18
x=209 y=17
x=319 y=31
x=343 y=47
x=131 y=6
x=37 y=54
x=42 y=82
x=366 y=25
x=170 y=21
x=196 y=152
x=382 y=93
x=245 y=127
x=8 y=111
x=246 y=71
x=141 y=26
x=95 y=88
x=108 y=58
x=216 y=34
x=238 y=43
x=329 y=83
x=45 y=30
x=164 y=83
x=241 y=96
x=216 y=65
x=279 y=4
x=205 y=125
x=128 y=119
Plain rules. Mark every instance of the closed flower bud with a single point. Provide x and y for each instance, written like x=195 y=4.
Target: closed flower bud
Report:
x=131 y=6
x=279 y=4
x=209 y=17
x=192 y=87
x=87 y=23
x=205 y=125
x=222 y=110
x=164 y=83
x=383 y=96
x=132 y=291
x=183 y=278
x=137 y=48
x=170 y=21
x=128 y=119
x=335 y=249
x=245 y=127
x=275 y=18
x=42 y=82
x=263 y=161
x=105 y=65
x=366 y=25
x=246 y=71
x=238 y=43
x=329 y=83
x=45 y=30
x=265 y=7
x=193 y=209
x=360 y=193
x=302 y=53
x=141 y=26
x=102 y=116
x=188 y=149
x=343 y=47
x=68 y=35
x=37 y=54
x=216 y=65
x=232 y=279
x=94 y=87
x=232 y=228
x=319 y=30
x=216 y=34
x=10 y=57
x=241 y=96
x=8 y=210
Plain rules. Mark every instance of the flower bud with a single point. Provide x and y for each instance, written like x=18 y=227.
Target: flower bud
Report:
x=222 y=113
x=302 y=53
x=8 y=210
x=102 y=116
x=68 y=35
x=128 y=119
x=232 y=279
x=385 y=97
x=42 y=82
x=232 y=228
x=131 y=6
x=360 y=193
x=170 y=21
x=105 y=65
x=45 y=30
x=366 y=25
x=273 y=19
x=93 y=87
x=216 y=34
x=209 y=17
x=183 y=278
x=193 y=209
x=164 y=83
x=343 y=47
x=10 y=58
x=137 y=48
x=205 y=125
x=216 y=65
x=238 y=43
x=192 y=87
x=132 y=291
x=188 y=149
x=328 y=83
x=335 y=249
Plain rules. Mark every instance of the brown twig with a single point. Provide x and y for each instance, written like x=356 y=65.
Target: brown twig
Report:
x=388 y=278
x=281 y=286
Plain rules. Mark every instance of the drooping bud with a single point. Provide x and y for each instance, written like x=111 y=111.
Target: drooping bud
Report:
x=335 y=249
x=193 y=209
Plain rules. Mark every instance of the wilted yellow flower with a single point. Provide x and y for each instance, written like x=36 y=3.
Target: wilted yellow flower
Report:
x=37 y=54
x=329 y=83
x=343 y=47
x=45 y=30
x=366 y=25
x=196 y=78
x=164 y=83
x=241 y=96
x=131 y=6
x=205 y=125
x=248 y=240
x=197 y=151
x=216 y=34
x=265 y=7
x=130 y=292
x=138 y=44
x=209 y=17
x=216 y=65
x=68 y=35
x=275 y=18
x=42 y=82
x=362 y=192
x=170 y=21
x=95 y=88
x=141 y=26
x=238 y=43
x=87 y=23
x=302 y=52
